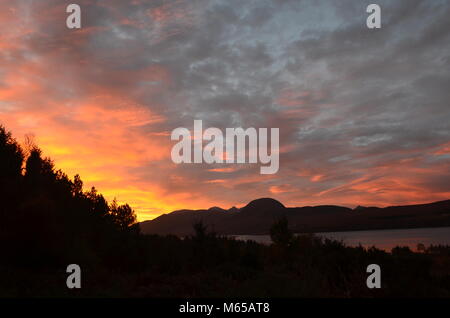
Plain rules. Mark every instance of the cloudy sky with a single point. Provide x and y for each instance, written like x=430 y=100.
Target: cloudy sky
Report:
x=364 y=115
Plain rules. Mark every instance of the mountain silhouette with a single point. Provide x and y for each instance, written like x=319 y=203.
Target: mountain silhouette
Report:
x=263 y=205
x=257 y=216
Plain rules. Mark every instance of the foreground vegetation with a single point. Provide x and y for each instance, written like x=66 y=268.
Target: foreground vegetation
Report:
x=47 y=221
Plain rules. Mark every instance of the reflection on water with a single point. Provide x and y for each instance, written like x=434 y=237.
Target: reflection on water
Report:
x=382 y=239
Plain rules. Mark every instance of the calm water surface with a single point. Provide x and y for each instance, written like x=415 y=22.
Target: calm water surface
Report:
x=382 y=239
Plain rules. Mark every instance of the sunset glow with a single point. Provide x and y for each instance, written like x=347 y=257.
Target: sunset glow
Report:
x=358 y=125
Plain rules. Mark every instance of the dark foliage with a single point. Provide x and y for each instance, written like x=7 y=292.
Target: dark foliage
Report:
x=280 y=233
x=47 y=221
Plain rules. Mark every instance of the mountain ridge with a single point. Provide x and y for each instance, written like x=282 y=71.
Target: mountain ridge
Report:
x=257 y=216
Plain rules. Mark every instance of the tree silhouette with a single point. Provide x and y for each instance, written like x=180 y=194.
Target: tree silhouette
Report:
x=123 y=215
x=11 y=157
x=280 y=233
x=48 y=215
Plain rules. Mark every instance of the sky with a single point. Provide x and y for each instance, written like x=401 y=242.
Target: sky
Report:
x=364 y=115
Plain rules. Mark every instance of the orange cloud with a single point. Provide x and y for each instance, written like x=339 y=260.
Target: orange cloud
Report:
x=108 y=117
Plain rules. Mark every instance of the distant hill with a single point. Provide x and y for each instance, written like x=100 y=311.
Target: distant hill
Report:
x=258 y=216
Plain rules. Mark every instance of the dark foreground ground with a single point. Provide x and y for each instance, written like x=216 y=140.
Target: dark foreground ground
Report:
x=208 y=266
